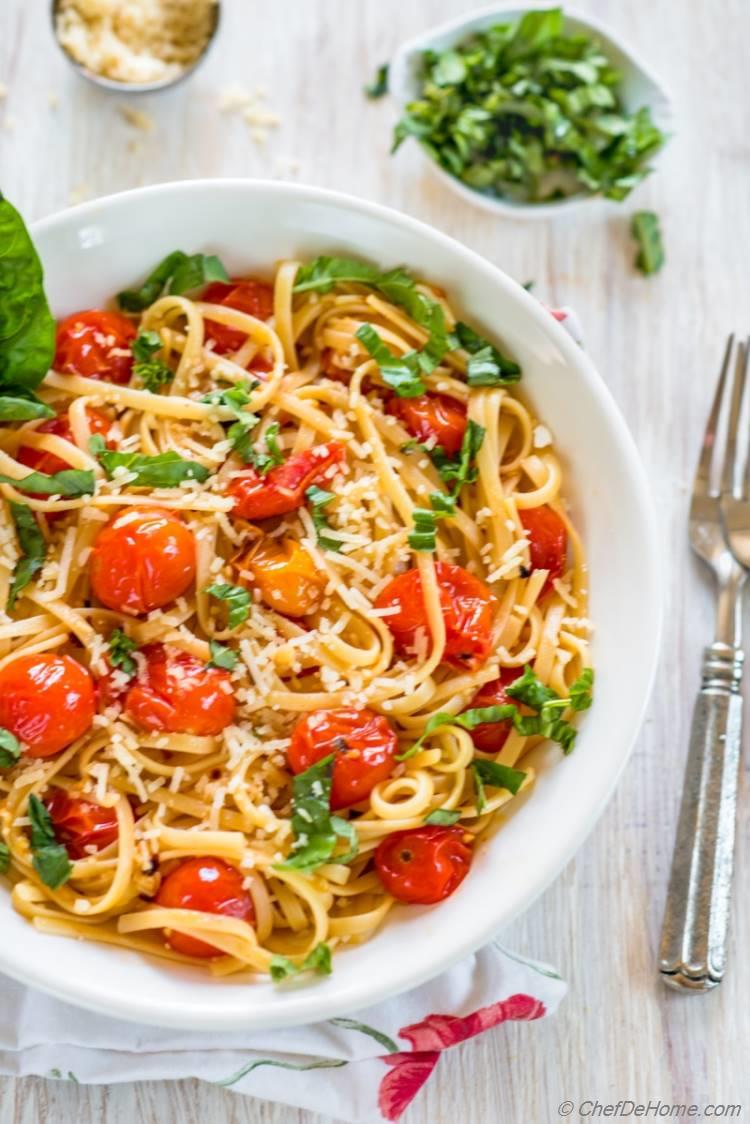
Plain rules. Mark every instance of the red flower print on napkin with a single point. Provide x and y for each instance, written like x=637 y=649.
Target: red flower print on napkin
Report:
x=438 y=1032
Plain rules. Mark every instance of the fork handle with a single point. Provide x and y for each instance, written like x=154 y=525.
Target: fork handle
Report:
x=693 y=950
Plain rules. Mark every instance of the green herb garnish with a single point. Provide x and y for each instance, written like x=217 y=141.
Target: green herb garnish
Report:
x=315 y=830
x=221 y=656
x=399 y=373
x=70 y=482
x=487 y=366
x=33 y=550
x=165 y=470
x=499 y=776
x=267 y=454
x=645 y=229
x=50 y=860
x=27 y=327
x=443 y=817
x=4 y=858
x=238 y=601
x=121 y=648
x=153 y=373
x=461 y=469
x=531 y=112
x=378 y=88
x=17 y=404
x=235 y=399
x=319 y=960
x=10 y=748
x=177 y=273
x=319 y=499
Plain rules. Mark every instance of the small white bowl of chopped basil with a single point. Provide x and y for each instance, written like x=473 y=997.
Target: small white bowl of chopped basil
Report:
x=530 y=112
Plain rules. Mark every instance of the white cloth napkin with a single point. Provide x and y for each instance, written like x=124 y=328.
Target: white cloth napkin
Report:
x=364 y=1068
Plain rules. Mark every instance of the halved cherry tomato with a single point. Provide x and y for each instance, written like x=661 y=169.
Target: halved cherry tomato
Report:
x=548 y=541
x=47 y=701
x=142 y=560
x=432 y=417
x=81 y=823
x=490 y=737
x=285 y=574
x=209 y=886
x=467 y=606
x=363 y=743
x=253 y=297
x=423 y=866
x=40 y=461
x=283 y=488
x=179 y=694
x=96 y=344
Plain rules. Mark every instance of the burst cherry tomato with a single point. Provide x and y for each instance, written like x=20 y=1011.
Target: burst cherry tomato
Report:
x=179 y=694
x=423 y=866
x=283 y=488
x=47 y=701
x=285 y=575
x=209 y=886
x=253 y=297
x=40 y=461
x=467 y=606
x=96 y=344
x=548 y=541
x=142 y=560
x=363 y=743
x=490 y=737
x=81 y=823
x=432 y=417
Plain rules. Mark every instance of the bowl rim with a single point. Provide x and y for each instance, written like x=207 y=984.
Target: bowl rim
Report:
x=458 y=26
x=308 y=1004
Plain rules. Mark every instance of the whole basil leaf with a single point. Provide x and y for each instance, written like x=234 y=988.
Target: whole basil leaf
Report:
x=27 y=328
x=18 y=404
x=178 y=273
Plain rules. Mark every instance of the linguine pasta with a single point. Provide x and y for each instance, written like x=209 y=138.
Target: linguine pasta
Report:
x=311 y=382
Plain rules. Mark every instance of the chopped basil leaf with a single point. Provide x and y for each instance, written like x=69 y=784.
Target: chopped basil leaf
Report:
x=443 y=817
x=177 y=273
x=27 y=327
x=580 y=692
x=153 y=373
x=530 y=690
x=221 y=656
x=528 y=285
x=400 y=374
x=10 y=748
x=120 y=649
x=267 y=454
x=33 y=550
x=4 y=858
x=237 y=598
x=50 y=860
x=645 y=229
x=461 y=469
x=487 y=366
x=378 y=88
x=315 y=830
x=70 y=482
x=530 y=111
x=499 y=776
x=319 y=960
x=423 y=535
x=319 y=500
x=17 y=404
x=235 y=399
x=166 y=470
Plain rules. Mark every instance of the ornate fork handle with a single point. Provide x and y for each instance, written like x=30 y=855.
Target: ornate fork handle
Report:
x=693 y=948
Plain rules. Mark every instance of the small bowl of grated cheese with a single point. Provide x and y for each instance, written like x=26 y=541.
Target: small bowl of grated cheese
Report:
x=136 y=45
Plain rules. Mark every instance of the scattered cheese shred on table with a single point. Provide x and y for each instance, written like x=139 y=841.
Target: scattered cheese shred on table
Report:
x=237 y=98
x=135 y=40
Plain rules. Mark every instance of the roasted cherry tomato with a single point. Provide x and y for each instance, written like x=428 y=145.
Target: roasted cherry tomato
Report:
x=253 y=297
x=179 y=694
x=363 y=743
x=142 y=560
x=331 y=369
x=47 y=701
x=548 y=541
x=81 y=823
x=209 y=886
x=490 y=737
x=96 y=344
x=467 y=606
x=285 y=575
x=432 y=417
x=423 y=866
x=283 y=488
x=40 y=461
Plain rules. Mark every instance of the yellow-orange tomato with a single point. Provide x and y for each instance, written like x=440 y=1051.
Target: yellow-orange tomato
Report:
x=285 y=575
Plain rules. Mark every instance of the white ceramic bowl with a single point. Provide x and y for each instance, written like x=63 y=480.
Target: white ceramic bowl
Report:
x=94 y=250
x=639 y=87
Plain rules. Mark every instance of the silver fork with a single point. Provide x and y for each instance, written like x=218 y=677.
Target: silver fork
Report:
x=693 y=951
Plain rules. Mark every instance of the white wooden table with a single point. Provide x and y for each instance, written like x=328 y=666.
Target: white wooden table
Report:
x=657 y=343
